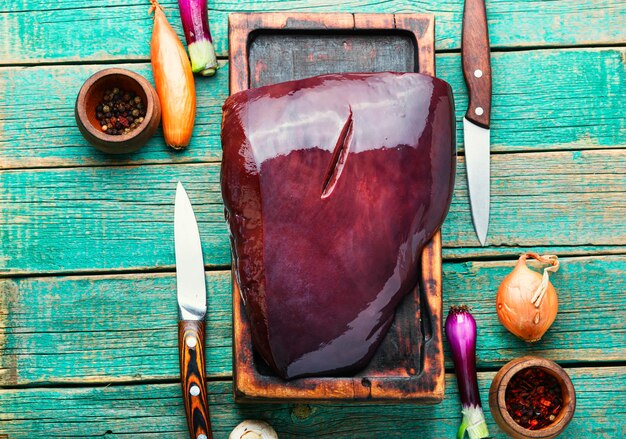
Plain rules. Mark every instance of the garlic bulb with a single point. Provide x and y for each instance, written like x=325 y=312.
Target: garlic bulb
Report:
x=526 y=302
x=253 y=429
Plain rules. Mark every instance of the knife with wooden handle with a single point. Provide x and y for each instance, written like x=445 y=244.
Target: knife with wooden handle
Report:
x=475 y=54
x=192 y=308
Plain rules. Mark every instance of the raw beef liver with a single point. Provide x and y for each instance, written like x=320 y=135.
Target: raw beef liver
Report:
x=332 y=185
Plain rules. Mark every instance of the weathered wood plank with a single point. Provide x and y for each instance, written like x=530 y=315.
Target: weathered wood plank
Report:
x=104 y=218
x=112 y=218
x=38 y=129
x=43 y=31
x=543 y=100
x=123 y=327
x=565 y=198
x=151 y=411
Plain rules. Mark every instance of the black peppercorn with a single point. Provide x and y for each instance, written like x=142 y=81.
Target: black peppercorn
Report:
x=120 y=111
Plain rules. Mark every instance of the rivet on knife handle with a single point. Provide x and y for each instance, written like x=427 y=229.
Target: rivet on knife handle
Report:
x=476 y=62
x=193 y=377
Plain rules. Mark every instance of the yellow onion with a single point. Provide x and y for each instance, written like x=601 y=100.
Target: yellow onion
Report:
x=174 y=81
x=526 y=302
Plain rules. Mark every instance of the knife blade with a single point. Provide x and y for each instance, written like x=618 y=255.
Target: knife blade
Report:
x=476 y=62
x=192 y=307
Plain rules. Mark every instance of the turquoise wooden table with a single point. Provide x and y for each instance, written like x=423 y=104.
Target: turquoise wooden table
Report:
x=87 y=287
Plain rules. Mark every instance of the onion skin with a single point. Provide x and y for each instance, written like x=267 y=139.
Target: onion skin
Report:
x=195 y=18
x=514 y=305
x=174 y=82
x=461 y=334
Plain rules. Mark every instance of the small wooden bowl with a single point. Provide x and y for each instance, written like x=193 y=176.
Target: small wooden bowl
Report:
x=498 y=406
x=90 y=96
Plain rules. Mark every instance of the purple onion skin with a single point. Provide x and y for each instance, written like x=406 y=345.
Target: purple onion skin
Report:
x=461 y=335
x=195 y=18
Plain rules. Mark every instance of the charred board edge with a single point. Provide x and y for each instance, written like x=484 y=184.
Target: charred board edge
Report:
x=427 y=387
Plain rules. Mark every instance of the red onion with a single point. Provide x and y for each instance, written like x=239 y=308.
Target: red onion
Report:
x=461 y=335
x=195 y=18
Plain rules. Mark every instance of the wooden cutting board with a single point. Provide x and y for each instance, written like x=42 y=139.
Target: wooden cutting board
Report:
x=270 y=48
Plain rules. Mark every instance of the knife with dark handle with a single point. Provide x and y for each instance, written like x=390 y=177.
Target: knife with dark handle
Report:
x=476 y=62
x=192 y=308
x=193 y=377
x=475 y=54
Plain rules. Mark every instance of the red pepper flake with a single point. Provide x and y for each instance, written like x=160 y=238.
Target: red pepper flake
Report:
x=533 y=398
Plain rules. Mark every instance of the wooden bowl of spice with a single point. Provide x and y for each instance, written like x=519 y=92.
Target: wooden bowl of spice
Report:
x=531 y=397
x=117 y=111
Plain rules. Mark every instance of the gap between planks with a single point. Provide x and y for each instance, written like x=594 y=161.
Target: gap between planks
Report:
x=171 y=269
x=168 y=269
x=82 y=384
x=140 y=60
x=460 y=153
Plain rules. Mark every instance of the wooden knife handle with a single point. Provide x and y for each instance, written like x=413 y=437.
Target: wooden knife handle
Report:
x=193 y=378
x=476 y=62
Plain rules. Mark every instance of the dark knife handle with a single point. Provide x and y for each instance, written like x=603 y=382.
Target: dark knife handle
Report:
x=193 y=378
x=476 y=62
